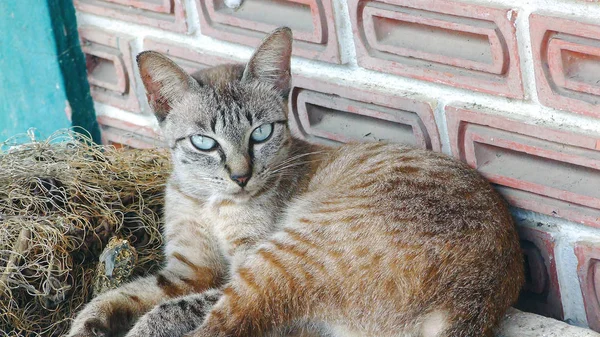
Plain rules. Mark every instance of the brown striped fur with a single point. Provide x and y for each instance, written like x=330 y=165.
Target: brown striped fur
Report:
x=360 y=240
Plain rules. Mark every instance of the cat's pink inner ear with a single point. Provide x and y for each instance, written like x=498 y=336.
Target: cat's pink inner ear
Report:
x=158 y=103
x=165 y=82
x=270 y=62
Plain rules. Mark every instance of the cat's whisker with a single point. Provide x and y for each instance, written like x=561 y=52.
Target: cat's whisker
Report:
x=286 y=162
x=278 y=168
x=291 y=159
x=292 y=165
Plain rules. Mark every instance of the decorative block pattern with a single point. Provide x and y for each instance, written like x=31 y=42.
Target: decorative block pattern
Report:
x=185 y=57
x=312 y=22
x=164 y=14
x=550 y=171
x=541 y=293
x=588 y=269
x=110 y=67
x=121 y=133
x=567 y=63
x=463 y=45
x=330 y=113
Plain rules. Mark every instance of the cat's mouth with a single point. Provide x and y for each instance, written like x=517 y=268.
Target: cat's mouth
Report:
x=241 y=192
x=245 y=194
x=241 y=195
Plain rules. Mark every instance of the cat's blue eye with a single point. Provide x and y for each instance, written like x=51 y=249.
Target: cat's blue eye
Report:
x=262 y=133
x=203 y=143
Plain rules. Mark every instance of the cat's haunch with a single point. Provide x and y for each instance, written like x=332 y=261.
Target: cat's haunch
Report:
x=268 y=235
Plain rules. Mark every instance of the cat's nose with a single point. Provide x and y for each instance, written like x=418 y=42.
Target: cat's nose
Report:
x=241 y=180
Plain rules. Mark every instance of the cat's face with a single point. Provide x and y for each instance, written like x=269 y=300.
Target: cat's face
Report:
x=228 y=142
x=227 y=127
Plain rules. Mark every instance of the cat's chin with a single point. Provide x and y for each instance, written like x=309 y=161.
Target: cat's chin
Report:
x=239 y=197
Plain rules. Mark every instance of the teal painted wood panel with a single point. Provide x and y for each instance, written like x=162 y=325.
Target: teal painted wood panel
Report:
x=42 y=69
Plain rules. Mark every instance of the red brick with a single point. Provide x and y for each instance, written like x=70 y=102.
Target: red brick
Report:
x=551 y=171
x=312 y=22
x=118 y=132
x=110 y=67
x=164 y=14
x=325 y=112
x=541 y=293
x=566 y=55
x=588 y=269
x=188 y=59
x=463 y=45
x=159 y=6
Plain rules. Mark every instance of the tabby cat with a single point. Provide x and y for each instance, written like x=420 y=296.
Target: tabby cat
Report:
x=267 y=235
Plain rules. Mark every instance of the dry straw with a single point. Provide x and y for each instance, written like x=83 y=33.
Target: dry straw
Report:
x=61 y=200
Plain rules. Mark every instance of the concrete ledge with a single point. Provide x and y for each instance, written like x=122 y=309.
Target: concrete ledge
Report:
x=524 y=324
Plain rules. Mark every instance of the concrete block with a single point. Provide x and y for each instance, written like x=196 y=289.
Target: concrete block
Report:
x=109 y=65
x=541 y=293
x=546 y=170
x=458 y=44
x=566 y=56
x=163 y=14
x=122 y=133
x=524 y=324
x=312 y=22
x=332 y=113
x=189 y=59
x=588 y=270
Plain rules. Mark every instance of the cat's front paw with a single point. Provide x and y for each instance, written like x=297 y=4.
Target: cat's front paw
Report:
x=101 y=319
x=174 y=318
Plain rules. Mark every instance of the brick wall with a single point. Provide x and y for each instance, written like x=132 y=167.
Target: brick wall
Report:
x=511 y=87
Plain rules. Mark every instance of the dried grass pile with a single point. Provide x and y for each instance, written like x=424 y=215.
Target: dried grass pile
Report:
x=61 y=201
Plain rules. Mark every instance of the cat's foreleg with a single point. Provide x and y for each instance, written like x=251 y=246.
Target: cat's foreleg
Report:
x=181 y=315
x=264 y=294
x=176 y=317
x=113 y=313
x=236 y=315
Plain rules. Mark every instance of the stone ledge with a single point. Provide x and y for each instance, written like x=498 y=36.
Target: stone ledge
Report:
x=524 y=324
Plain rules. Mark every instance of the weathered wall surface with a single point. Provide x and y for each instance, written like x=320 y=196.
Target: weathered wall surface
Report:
x=509 y=86
x=42 y=71
x=32 y=92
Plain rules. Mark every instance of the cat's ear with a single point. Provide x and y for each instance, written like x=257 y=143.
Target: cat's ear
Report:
x=270 y=62
x=165 y=82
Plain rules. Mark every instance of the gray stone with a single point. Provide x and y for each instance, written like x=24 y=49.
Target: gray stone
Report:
x=524 y=324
